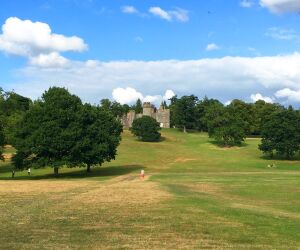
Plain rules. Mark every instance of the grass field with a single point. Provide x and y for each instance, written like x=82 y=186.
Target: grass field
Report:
x=196 y=195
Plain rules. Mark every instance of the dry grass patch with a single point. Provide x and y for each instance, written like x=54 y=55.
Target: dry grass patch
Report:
x=123 y=191
x=37 y=187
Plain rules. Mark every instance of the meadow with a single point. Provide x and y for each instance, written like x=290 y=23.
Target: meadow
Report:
x=196 y=195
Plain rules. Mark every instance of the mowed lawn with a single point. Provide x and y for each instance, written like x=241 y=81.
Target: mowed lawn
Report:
x=196 y=195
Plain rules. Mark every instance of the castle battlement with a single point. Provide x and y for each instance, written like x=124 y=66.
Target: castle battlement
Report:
x=162 y=115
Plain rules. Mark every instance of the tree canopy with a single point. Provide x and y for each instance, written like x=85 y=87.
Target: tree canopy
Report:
x=281 y=133
x=59 y=130
x=146 y=129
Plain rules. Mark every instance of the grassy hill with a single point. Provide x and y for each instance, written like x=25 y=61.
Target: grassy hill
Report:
x=195 y=195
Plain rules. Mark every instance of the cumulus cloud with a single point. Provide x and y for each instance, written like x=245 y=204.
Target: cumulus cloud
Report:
x=168 y=95
x=130 y=95
x=27 y=38
x=246 y=3
x=212 y=46
x=281 y=6
x=291 y=95
x=52 y=59
x=178 y=14
x=126 y=95
x=129 y=10
x=258 y=96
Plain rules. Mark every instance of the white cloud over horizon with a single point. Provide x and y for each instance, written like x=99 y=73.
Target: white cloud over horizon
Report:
x=281 y=6
x=225 y=78
x=130 y=95
x=291 y=95
x=258 y=96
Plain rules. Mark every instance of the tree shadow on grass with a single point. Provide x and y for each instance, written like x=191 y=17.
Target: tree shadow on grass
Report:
x=110 y=171
x=221 y=145
x=280 y=158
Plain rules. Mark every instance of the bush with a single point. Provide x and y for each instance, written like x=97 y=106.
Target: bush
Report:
x=146 y=129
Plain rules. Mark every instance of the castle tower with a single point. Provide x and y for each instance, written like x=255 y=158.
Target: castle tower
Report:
x=148 y=109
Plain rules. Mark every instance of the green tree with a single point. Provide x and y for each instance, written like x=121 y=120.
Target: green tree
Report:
x=202 y=108
x=59 y=131
x=115 y=108
x=226 y=126
x=183 y=112
x=138 y=107
x=244 y=111
x=146 y=129
x=100 y=135
x=2 y=140
x=262 y=113
x=281 y=134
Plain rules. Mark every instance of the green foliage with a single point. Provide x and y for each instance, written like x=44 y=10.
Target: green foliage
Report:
x=115 y=108
x=2 y=140
x=183 y=112
x=146 y=129
x=281 y=134
x=202 y=109
x=59 y=131
x=226 y=125
x=12 y=107
x=138 y=107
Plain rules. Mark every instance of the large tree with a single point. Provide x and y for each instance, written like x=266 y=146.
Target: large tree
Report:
x=226 y=125
x=281 y=133
x=100 y=135
x=146 y=129
x=59 y=131
x=183 y=112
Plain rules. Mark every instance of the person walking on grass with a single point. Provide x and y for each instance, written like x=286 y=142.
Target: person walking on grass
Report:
x=142 y=174
x=28 y=171
x=13 y=173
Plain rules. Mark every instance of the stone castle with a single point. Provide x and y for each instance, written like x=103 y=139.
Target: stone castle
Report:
x=161 y=115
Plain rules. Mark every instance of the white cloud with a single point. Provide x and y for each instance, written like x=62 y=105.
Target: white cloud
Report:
x=52 y=59
x=27 y=38
x=224 y=78
x=157 y=11
x=246 y=3
x=126 y=95
x=129 y=10
x=281 y=6
x=168 y=95
x=258 y=96
x=212 y=46
x=178 y=14
x=130 y=95
x=291 y=95
x=283 y=34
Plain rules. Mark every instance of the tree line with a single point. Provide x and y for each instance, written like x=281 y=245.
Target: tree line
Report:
x=278 y=126
x=59 y=130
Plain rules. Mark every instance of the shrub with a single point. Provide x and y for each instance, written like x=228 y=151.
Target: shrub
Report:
x=146 y=129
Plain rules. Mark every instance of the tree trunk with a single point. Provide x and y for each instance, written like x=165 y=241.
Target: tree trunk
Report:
x=88 y=169
x=56 y=171
x=184 y=129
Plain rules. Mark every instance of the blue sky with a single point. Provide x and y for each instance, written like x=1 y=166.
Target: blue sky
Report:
x=123 y=50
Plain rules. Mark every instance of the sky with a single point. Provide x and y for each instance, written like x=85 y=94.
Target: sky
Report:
x=152 y=50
